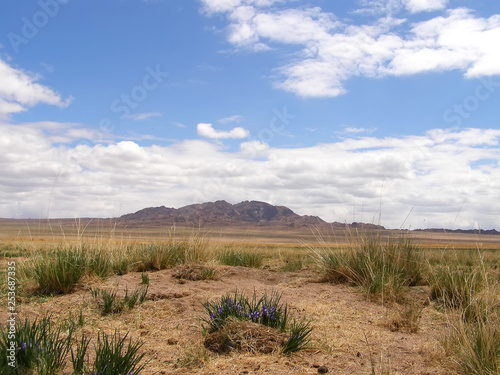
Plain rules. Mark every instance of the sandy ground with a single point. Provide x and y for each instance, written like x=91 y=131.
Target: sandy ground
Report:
x=351 y=334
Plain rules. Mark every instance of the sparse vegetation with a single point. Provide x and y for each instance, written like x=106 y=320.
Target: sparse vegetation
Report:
x=456 y=286
x=240 y=257
x=457 y=289
x=299 y=337
x=158 y=256
x=39 y=348
x=292 y=264
x=42 y=348
x=113 y=355
x=475 y=346
x=381 y=267
x=58 y=271
x=473 y=335
x=109 y=303
x=407 y=318
x=144 y=278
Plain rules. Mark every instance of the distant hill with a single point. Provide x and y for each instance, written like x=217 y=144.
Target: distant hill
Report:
x=466 y=231
x=222 y=213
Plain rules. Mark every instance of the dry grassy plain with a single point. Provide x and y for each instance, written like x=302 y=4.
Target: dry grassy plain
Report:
x=354 y=332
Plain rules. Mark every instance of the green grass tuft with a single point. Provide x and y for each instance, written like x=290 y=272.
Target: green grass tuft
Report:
x=39 y=348
x=114 y=356
x=299 y=338
x=144 y=278
x=58 y=271
x=382 y=268
x=109 y=303
x=241 y=258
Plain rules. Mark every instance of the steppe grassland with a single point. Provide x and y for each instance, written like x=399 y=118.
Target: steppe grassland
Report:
x=460 y=278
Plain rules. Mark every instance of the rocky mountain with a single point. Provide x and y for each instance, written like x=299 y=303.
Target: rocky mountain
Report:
x=221 y=213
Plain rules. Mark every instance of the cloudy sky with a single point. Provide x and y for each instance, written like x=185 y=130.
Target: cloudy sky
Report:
x=382 y=111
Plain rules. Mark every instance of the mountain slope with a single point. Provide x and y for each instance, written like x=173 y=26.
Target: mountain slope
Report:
x=222 y=213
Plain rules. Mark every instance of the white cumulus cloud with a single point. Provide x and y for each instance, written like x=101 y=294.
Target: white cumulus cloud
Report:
x=207 y=130
x=144 y=116
x=329 y=52
x=19 y=90
x=416 y=6
x=354 y=179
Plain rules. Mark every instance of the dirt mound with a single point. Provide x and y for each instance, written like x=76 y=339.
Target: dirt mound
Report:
x=193 y=272
x=245 y=337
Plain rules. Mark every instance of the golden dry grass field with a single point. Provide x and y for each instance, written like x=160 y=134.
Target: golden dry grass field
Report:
x=399 y=325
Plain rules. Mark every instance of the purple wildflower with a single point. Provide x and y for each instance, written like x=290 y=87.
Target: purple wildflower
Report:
x=272 y=313
x=264 y=311
x=255 y=316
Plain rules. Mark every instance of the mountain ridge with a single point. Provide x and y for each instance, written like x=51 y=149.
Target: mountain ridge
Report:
x=222 y=213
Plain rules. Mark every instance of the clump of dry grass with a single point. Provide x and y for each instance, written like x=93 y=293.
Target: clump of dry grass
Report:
x=406 y=318
x=237 y=335
x=381 y=267
x=473 y=336
x=194 y=272
x=61 y=269
x=241 y=257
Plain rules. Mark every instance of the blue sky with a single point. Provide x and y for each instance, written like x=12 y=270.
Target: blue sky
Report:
x=370 y=110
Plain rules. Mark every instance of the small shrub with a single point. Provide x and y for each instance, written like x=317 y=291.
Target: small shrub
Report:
x=143 y=294
x=474 y=330
x=109 y=303
x=71 y=324
x=159 y=256
x=138 y=295
x=121 y=266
